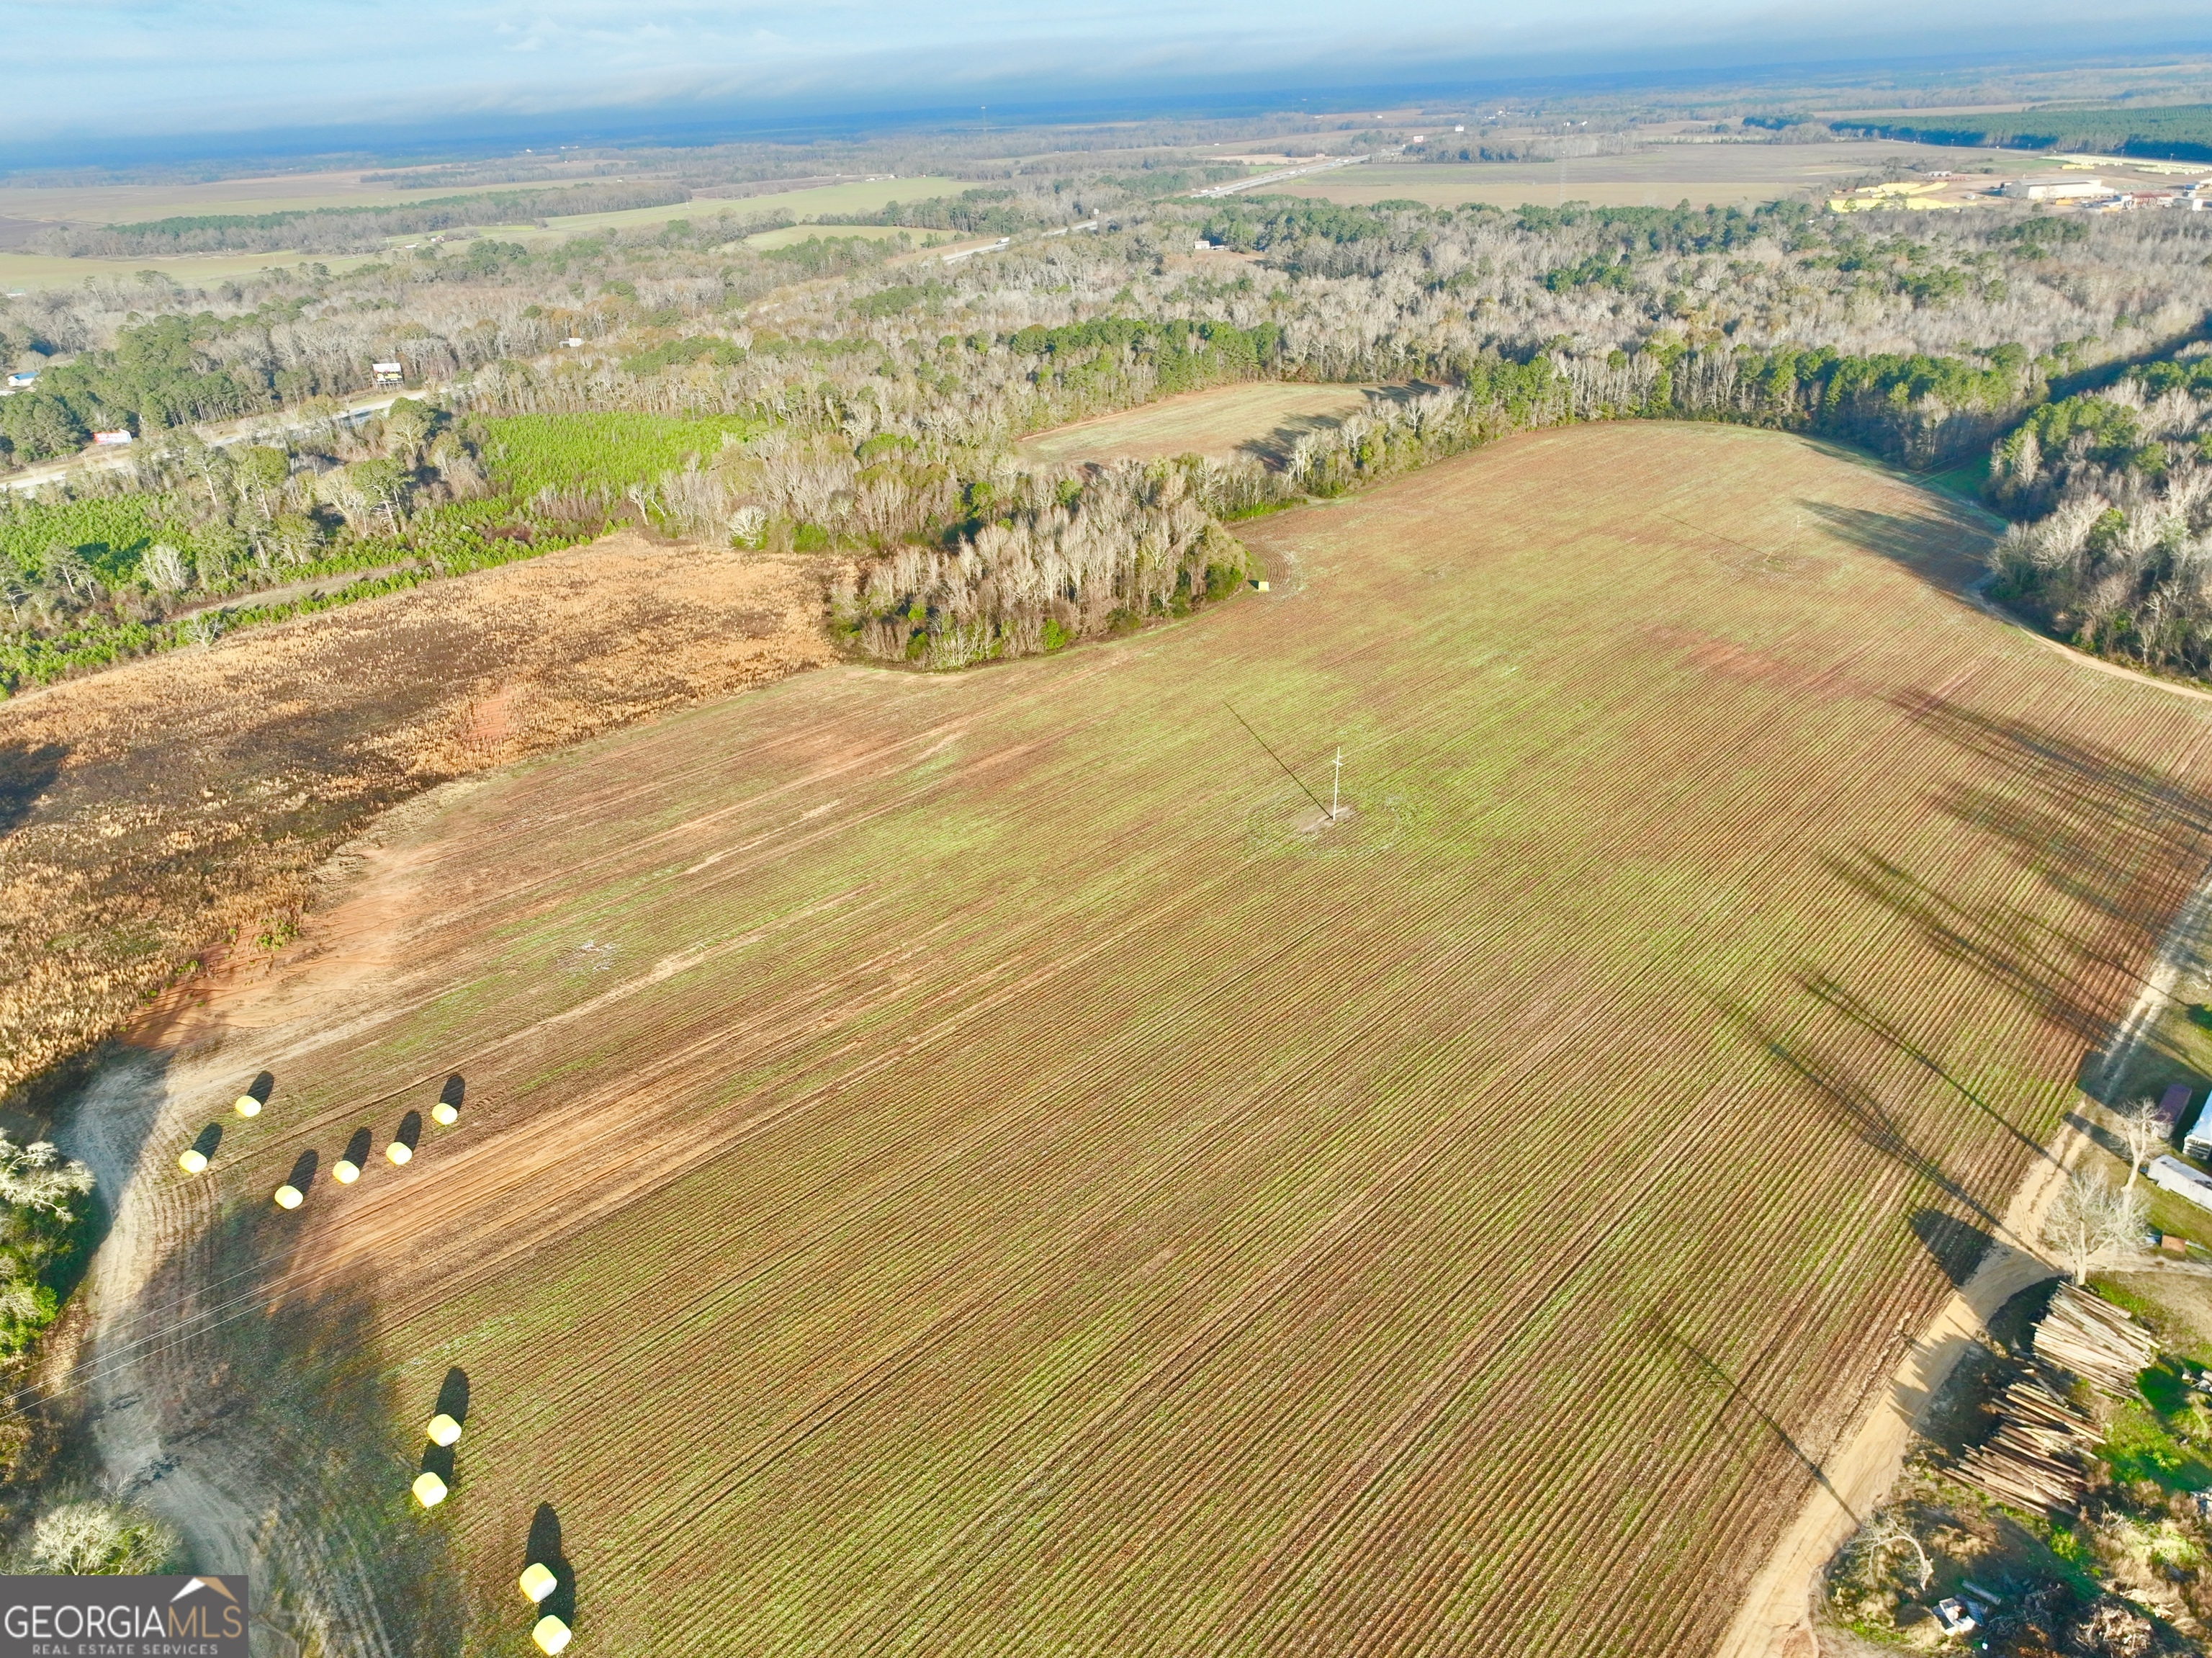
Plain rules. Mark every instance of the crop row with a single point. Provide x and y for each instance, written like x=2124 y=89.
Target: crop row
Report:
x=984 y=1205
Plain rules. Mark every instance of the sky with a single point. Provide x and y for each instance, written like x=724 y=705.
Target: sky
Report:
x=102 y=70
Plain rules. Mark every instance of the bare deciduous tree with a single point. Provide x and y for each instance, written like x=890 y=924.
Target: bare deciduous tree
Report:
x=2142 y=1130
x=2090 y=1223
x=167 y=569
x=37 y=1176
x=1890 y=1531
x=109 y=1538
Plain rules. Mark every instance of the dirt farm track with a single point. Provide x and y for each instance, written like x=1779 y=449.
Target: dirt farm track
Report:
x=970 y=1164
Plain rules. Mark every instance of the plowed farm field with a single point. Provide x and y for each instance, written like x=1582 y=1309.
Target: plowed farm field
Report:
x=979 y=1164
x=1260 y=420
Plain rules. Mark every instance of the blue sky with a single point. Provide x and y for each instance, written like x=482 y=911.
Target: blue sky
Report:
x=115 y=68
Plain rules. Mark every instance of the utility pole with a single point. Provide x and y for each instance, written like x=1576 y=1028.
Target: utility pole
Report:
x=1335 y=786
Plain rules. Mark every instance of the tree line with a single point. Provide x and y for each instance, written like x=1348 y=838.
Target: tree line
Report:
x=1040 y=564
x=861 y=413
x=344 y=229
x=2112 y=495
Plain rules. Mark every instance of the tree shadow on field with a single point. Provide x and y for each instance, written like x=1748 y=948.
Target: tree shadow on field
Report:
x=2014 y=949
x=1273 y=448
x=2123 y=844
x=27 y=771
x=266 y=1375
x=1829 y=993
x=1851 y=1105
x=1705 y=1375
x=1956 y=1248
x=1935 y=547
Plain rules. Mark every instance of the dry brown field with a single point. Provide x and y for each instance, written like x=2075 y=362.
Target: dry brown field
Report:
x=1656 y=175
x=1260 y=420
x=162 y=807
x=135 y=203
x=978 y=1164
x=25 y=211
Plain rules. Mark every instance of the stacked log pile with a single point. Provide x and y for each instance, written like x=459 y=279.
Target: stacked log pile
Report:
x=2095 y=1340
x=2032 y=1461
x=2035 y=1457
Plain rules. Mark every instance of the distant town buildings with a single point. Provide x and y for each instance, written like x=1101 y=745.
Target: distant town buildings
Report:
x=2076 y=189
x=2054 y=188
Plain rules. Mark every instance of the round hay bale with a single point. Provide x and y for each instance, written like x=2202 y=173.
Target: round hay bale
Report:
x=445 y=1115
x=246 y=1106
x=345 y=1171
x=289 y=1195
x=430 y=1489
x=194 y=1160
x=400 y=1153
x=444 y=1430
x=550 y=1634
x=538 y=1582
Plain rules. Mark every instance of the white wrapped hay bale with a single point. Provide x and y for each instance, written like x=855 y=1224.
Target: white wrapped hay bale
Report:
x=289 y=1195
x=538 y=1582
x=246 y=1106
x=444 y=1430
x=345 y=1171
x=400 y=1153
x=430 y=1489
x=194 y=1160
x=444 y=1116
x=550 y=1634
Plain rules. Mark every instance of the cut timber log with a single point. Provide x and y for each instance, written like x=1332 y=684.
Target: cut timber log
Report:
x=2095 y=1340
x=2030 y=1462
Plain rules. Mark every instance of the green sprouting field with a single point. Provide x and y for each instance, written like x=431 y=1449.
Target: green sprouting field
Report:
x=109 y=532
x=532 y=452
x=988 y=1164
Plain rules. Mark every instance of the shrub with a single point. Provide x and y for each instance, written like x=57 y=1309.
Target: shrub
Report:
x=102 y=1539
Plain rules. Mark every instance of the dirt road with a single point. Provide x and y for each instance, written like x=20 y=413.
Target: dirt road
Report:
x=1776 y=1617
x=1775 y=1620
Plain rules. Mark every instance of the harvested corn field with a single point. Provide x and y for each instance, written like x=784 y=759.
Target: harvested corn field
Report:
x=985 y=1164
x=182 y=801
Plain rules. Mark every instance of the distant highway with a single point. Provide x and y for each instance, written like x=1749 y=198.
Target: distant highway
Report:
x=1281 y=173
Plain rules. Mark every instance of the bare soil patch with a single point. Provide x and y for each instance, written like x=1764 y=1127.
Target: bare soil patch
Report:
x=1261 y=420
x=172 y=809
x=1651 y=176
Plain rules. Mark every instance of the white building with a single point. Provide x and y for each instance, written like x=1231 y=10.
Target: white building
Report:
x=2055 y=187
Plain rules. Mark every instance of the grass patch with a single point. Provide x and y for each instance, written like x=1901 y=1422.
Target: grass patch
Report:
x=532 y=452
x=2137 y=1446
